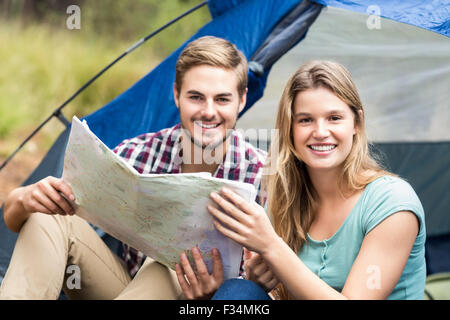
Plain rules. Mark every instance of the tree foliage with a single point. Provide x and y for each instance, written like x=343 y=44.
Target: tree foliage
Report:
x=115 y=20
x=42 y=62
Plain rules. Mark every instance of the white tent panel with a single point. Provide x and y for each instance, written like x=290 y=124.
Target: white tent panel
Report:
x=402 y=73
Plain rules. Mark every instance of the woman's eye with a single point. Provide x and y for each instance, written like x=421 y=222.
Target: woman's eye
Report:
x=335 y=118
x=304 y=120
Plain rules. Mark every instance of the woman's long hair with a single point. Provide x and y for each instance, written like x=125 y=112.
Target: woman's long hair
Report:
x=292 y=200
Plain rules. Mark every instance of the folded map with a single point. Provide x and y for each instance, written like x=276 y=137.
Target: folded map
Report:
x=161 y=215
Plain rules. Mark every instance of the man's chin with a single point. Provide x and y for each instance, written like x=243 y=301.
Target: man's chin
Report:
x=209 y=144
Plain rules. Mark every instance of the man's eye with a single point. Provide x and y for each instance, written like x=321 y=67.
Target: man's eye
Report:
x=223 y=100
x=195 y=97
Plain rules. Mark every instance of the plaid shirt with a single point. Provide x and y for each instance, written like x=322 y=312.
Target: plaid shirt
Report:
x=160 y=153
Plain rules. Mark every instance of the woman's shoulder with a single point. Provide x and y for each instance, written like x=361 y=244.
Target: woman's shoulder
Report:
x=393 y=186
x=389 y=179
x=387 y=195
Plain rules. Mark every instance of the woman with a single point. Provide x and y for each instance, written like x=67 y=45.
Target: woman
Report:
x=343 y=228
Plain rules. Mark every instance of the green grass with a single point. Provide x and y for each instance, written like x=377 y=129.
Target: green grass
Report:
x=42 y=67
x=43 y=64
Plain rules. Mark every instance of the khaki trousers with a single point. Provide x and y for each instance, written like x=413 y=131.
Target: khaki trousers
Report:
x=48 y=244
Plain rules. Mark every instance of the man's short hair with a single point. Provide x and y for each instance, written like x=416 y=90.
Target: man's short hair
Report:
x=216 y=52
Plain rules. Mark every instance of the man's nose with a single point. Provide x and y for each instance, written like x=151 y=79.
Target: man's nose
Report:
x=209 y=109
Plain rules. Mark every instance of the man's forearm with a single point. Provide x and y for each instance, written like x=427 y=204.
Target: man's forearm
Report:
x=14 y=213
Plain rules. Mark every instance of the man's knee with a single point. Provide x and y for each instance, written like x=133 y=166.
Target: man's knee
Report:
x=154 y=281
x=44 y=230
x=45 y=220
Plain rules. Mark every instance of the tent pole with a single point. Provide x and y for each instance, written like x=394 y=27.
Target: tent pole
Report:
x=57 y=113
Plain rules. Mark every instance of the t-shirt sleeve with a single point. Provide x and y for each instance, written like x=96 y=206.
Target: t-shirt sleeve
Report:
x=388 y=196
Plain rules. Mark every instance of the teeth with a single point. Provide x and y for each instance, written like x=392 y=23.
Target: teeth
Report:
x=207 y=126
x=323 y=148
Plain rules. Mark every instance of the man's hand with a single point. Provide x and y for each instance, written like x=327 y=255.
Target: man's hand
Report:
x=46 y=196
x=201 y=285
x=257 y=270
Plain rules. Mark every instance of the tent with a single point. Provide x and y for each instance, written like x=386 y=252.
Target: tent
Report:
x=398 y=52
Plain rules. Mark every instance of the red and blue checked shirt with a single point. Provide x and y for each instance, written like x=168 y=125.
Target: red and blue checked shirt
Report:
x=160 y=153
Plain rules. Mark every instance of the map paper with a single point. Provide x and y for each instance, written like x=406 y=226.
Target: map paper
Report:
x=161 y=215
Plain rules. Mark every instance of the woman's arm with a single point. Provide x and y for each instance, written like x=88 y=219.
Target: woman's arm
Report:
x=384 y=252
x=382 y=257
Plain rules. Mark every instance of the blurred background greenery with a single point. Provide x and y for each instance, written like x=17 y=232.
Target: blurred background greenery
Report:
x=42 y=62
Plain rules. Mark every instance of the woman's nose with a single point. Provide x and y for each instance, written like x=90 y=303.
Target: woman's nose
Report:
x=321 y=130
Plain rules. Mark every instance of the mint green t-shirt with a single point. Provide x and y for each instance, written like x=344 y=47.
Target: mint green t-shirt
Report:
x=333 y=258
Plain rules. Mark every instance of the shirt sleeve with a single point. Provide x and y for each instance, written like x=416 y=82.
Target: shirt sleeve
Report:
x=137 y=151
x=388 y=196
x=125 y=144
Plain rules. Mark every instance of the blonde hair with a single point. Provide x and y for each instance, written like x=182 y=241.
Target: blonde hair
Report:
x=291 y=195
x=216 y=52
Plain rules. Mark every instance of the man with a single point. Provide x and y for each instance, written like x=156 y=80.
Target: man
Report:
x=210 y=90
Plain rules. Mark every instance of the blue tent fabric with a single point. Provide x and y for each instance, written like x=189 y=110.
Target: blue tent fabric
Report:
x=217 y=8
x=289 y=31
x=432 y=15
x=145 y=104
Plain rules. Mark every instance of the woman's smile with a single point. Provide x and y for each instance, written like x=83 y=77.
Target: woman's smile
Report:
x=322 y=149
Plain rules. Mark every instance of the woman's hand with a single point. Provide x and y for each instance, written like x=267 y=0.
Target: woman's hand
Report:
x=257 y=270
x=244 y=222
x=201 y=285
